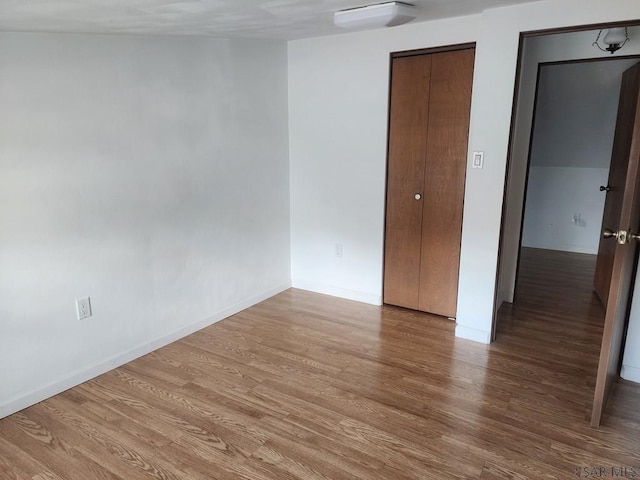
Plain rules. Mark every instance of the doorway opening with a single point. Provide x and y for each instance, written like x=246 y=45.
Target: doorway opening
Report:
x=562 y=136
x=571 y=141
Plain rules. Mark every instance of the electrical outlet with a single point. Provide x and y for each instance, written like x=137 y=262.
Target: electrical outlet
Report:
x=338 y=250
x=83 y=308
x=578 y=221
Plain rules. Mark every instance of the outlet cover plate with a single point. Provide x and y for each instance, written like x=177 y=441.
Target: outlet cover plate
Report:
x=83 y=308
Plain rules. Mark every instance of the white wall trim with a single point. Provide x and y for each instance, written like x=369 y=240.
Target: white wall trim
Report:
x=80 y=376
x=630 y=373
x=473 y=334
x=363 y=297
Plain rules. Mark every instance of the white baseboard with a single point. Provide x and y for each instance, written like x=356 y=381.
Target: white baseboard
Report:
x=474 y=334
x=76 y=378
x=362 y=297
x=630 y=373
x=593 y=250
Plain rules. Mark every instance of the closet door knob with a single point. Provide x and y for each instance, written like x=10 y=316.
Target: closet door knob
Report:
x=417 y=196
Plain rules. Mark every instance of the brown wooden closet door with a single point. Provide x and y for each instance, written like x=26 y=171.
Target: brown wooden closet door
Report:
x=428 y=135
x=407 y=142
x=444 y=177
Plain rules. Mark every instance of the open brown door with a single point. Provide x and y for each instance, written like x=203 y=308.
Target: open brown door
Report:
x=614 y=191
x=621 y=224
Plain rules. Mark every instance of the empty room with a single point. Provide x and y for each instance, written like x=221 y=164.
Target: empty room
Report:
x=319 y=240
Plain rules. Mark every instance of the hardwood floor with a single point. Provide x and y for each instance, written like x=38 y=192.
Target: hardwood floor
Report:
x=305 y=386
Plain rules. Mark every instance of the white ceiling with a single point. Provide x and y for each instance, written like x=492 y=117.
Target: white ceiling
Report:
x=281 y=19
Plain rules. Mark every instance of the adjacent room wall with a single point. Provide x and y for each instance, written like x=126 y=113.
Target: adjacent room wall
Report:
x=338 y=115
x=575 y=121
x=564 y=208
x=148 y=173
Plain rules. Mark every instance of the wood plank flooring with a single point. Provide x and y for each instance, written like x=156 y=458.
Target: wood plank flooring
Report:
x=305 y=386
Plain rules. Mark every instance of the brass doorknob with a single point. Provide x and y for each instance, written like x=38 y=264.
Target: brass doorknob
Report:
x=622 y=236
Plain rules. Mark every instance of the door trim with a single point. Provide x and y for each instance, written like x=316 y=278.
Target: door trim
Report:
x=430 y=50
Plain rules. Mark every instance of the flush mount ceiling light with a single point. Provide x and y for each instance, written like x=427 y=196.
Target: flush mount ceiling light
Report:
x=614 y=40
x=387 y=14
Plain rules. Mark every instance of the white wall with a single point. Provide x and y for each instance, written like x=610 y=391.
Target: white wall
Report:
x=150 y=174
x=338 y=111
x=554 y=196
x=576 y=113
x=631 y=358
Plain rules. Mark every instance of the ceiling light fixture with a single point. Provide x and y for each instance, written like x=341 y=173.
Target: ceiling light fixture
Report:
x=387 y=14
x=615 y=39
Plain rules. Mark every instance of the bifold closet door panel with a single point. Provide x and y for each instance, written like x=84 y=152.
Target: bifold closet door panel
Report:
x=409 y=112
x=444 y=178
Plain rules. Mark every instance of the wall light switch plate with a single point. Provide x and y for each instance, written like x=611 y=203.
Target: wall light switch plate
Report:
x=83 y=308
x=478 y=160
